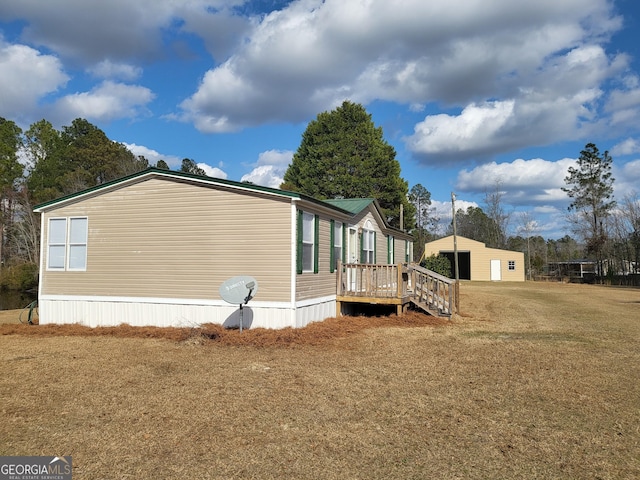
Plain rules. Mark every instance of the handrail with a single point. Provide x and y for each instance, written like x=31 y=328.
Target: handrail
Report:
x=431 y=289
x=431 y=273
x=409 y=282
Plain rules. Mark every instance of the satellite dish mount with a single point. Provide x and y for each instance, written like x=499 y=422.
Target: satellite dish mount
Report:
x=238 y=291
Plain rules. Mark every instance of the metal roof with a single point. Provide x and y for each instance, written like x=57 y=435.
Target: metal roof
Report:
x=353 y=205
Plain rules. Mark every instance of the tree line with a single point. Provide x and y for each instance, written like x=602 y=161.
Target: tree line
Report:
x=42 y=164
x=342 y=154
x=604 y=231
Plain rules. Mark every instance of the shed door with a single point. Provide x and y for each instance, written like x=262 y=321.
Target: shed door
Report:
x=495 y=271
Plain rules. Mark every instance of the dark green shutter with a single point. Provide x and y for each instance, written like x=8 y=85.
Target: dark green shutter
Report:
x=316 y=242
x=332 y=250
x=299 y=243
x=362 y=260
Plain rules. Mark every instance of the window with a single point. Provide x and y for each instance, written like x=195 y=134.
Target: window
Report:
x=67 y=247
x=336 y=244
x=391 y=250
x=368 y=244
x=512 y=264
x=307 y=242
x=57 y=243
x=78 y=243
x=308 y=237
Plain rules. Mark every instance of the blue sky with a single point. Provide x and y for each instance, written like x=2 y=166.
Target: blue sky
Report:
x=473 y=96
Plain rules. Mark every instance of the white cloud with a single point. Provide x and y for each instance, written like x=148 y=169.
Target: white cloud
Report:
x=545 y=209
x=557 y=102
x=543 y=60
x=107 y=101
x=32 y=76
x=631 y=171
x=265 y=175
x=313 y=54
x=278 y=158
x=534 y=182
x=118 y=29
x=153 y=155
x=212 y=171
x=220 y=29
x=270 y=168
x=627 y=178
x=173 y=161
x=629 y=146
x=624 y=107
x=474 y=129
x=444 y=211
x=122 y=71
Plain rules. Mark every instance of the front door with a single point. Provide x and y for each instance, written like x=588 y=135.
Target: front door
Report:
x=352 y=257
x=352 y=249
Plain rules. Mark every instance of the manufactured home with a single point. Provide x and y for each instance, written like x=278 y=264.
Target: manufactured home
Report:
x=154 y=248
x=477 y=262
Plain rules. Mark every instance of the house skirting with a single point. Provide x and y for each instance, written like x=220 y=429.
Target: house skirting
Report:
x=161 y=312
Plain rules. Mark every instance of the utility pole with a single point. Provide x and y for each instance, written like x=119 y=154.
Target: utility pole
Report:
x=529 y=253
x=455 y=252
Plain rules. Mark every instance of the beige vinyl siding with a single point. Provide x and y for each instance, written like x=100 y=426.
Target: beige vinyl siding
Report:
x=322 y=284
x=169 y=239
x=400 y=250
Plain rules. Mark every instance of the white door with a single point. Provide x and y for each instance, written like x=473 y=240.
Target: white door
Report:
x=352 y=249
x=496 y=274
x=352 y=257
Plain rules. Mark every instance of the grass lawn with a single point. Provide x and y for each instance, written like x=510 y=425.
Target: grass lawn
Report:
x=532 y=380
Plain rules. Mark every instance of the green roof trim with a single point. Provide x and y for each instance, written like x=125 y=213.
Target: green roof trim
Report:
x=152 y=171
x=351 y=205
x=357 y=205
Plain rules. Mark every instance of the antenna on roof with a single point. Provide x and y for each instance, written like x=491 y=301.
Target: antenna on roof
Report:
x=238 y=291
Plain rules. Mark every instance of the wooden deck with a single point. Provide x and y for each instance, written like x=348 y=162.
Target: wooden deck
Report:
x=398 y=285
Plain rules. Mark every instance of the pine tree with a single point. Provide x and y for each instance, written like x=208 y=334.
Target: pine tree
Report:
x=590 y=186
x=344 y=155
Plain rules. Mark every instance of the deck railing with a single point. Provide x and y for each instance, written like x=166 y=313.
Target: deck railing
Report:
x=408 y=282
x=434 y=291
x=371 y=280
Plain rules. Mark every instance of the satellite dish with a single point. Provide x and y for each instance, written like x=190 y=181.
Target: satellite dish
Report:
x=238 y=291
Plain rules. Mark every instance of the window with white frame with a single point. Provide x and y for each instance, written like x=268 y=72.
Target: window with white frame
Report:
x=368 y=243
x=67 y=243
x=391 y=250
x=78 y=243
x=512 y=265
x=57 y=247
x=308 y=236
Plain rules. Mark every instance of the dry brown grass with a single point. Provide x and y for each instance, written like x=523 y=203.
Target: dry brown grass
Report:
x=532 y=381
